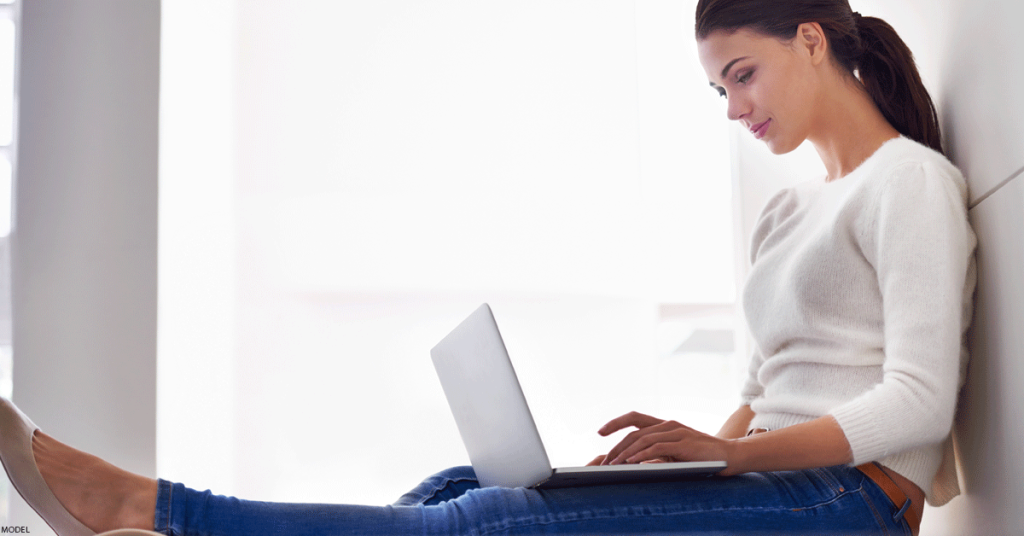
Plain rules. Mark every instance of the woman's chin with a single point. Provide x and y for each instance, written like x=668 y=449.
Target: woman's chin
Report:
x=781 y=147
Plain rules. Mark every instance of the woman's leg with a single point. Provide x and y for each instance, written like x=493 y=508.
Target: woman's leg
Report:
x=838 y=500
x=444 y=486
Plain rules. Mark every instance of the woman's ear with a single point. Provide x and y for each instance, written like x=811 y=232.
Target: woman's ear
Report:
x=811 y=37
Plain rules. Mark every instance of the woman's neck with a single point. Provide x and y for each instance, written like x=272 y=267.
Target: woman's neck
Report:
x=850 y=129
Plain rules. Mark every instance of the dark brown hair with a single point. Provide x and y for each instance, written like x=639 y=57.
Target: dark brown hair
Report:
x=865 y=46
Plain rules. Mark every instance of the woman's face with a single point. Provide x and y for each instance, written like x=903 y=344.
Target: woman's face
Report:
x=770 y=84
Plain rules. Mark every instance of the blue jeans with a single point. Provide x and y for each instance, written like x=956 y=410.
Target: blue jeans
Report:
x=832 y=500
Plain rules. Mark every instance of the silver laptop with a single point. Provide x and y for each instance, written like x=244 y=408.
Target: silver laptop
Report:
x=496 y=424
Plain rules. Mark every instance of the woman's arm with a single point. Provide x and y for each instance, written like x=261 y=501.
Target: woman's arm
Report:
x=817 y=443
x=737 y=424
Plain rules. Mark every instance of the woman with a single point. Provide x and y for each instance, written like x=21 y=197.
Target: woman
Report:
x=858 y=300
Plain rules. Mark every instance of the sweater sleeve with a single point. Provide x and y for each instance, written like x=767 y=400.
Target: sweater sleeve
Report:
x=917 y=237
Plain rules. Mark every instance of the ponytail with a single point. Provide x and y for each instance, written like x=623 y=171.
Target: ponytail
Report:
x=867 y=47
x=887 y=69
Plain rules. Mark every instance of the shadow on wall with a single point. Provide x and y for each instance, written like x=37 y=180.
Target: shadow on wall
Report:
x=983 y=121
x=989 y=423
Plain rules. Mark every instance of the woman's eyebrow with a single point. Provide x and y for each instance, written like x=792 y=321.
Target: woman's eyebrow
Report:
x=725 y=72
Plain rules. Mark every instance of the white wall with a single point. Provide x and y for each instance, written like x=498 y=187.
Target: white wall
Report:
x=979 y=99
x=84 y=237
x=983 y=120
x=989 y=429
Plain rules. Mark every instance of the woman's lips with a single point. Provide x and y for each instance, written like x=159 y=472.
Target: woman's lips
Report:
x=761 y=129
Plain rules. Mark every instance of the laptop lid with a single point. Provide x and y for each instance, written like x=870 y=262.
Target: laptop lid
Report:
x=488 y=404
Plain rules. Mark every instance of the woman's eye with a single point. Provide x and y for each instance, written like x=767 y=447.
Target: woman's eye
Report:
x=745 y=77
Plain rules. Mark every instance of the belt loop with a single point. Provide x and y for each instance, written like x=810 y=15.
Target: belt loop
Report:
x=903 y=510
x=874 y=472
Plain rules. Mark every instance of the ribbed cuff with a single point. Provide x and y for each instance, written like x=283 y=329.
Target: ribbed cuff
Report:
x=861 y=429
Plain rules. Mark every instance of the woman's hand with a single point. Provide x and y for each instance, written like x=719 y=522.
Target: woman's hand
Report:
x=657 y=440
x=817 y=443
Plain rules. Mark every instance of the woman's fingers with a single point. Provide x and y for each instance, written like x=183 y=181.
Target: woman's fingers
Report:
x=621 y=446
x=616 y=454
x=638 y=420
x=596 y=461
x=631 y=419
x=661 y=441
x=674 y=444
x=674 y=447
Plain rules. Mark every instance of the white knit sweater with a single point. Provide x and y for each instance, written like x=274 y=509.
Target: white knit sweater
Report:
x=858 y=299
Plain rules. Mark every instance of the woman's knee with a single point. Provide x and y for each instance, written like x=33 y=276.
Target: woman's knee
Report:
x=442 y=486
x=462 y=472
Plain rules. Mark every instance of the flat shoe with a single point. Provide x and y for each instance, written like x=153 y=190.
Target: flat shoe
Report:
x=16 y=432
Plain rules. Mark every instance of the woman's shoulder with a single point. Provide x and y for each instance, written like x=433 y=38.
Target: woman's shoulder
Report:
x=909 y=185
x=902 y=160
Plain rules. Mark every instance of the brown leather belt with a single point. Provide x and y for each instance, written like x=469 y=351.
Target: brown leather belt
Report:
x=896 y=495
x=886 y=483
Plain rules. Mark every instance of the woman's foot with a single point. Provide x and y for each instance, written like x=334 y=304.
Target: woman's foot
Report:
x=101 y=496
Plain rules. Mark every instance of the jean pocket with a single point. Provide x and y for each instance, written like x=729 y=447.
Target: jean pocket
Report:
x=828 y=479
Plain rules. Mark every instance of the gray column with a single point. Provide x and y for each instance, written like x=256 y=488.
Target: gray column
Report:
x=84 y=245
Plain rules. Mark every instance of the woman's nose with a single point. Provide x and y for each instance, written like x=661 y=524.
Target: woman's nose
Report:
x=737 y=108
